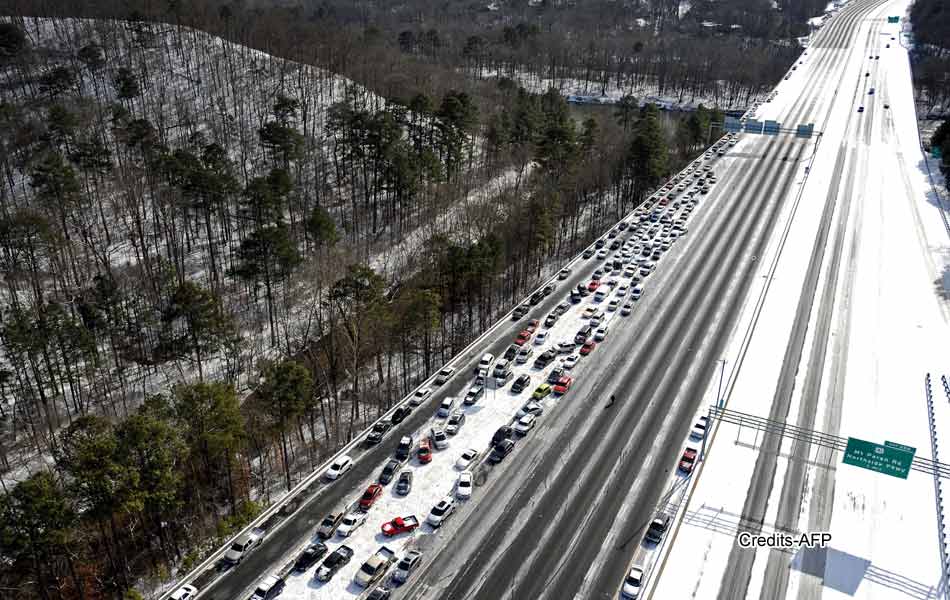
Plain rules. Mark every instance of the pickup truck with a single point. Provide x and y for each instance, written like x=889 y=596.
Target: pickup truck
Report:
x=375 y=567
x=400 y=525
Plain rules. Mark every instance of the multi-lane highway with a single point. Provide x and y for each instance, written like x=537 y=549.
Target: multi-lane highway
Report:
x=562 y=517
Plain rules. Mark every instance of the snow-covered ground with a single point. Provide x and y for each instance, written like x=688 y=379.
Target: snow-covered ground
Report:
x=889 y=327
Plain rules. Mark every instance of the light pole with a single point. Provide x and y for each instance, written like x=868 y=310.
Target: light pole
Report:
x=722 y=369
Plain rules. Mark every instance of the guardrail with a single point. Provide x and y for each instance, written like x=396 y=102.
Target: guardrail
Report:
x=938 y=488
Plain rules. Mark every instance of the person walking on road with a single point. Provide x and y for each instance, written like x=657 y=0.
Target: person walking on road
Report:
x=611 y=402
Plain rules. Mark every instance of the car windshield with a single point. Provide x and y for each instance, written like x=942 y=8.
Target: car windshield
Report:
x=349 y=521
x=438 y=511
x=368 y=569
x=327 y=521
x=237 y=547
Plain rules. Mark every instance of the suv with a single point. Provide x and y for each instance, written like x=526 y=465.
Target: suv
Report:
x=329 y=524
x=446 y=407
x=269 y=588
x=485 y=363
x=582 y=334
x=404 y=449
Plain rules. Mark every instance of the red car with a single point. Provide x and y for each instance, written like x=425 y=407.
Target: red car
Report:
x=424 y=453
x=370 y=495
x=593 y=285
x=688 y=460
x=533 y=325
x=563 y=384
x=400 y=525
x=588 y=347
x=523 y=338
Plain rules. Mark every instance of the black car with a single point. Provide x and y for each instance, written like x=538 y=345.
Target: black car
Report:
x=536 y=297
x=576 y=297
x=377 y=432
x=503 y=433
x=588 y=253
x=500 y=451
x=561 y=308
x=600 y=243
x=545 y=359
x=404 y=483
x=512 y=352
x=520 y=312
x=309 y=557
x=612 y=234
x=380 y=593
x=614 y=245
x=548 y=289
x=521 y=384
x=555 y=374
x=333 y=563
x=622 y=225
x=400 y=414
x=388 y=472
x=404 y=449
x=658 y=528
x=550 y=320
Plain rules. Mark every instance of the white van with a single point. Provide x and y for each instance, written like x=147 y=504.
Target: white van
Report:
x=446 y=407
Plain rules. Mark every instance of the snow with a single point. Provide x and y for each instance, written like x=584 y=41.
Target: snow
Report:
x=889 y=327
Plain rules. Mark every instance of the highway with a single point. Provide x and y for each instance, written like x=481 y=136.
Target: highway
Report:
x=563 y=520
x=562 y=516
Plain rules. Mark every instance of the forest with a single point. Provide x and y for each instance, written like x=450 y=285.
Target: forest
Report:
x=223 y=256
x=930 y=58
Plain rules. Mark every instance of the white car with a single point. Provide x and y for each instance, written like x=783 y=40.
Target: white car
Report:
x=613 y=305
x=463 y=489
x=622 y=290
x=420 y=396
x=350 y=523
x=637 y=292
x=540 y=337
x=530 y=408
x=699 y=429
x=338 y=468
x=564 y=273
x=633 y=583
x=444 y=375
x=597 y=320
x=602 y=253
x=626 y=309
x=185 y=592
x=589 y=312
x=600 y=334
x=467 y=459
x=647 y=268
x=569 y=362
x=525 y=424
x=441 y=511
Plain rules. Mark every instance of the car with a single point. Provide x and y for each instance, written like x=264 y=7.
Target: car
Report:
x=407 y=565
x=860 y=109
x=380 y=593
x=548 y=289
x=536 y=297
x=500 y=451
x=533 y=325
x=441 y=512
x=388 y=472
x=521 y=384
x=588 y=312
x=446 y=406
x=699 y=429
x=600 y=243
x=602 y=253
x=185 y=592
x=420 y=396
x=886 y=106
x=445 y=374
x=636 y=292
x=546 y=358
x=555 y=374
x=530 y=408
x=563 y=384
x=600 y=295
x=467 y=459
x=463 y=487
x=588 y=347
x=333 y=563
x=269 y=588
x=867 y=74
x=523 y=338
x=540 y=338
x=439 y=439
x=524 y=354
x=582 y=289
x=626 y=309
x=404 y=449
x=601 y=333
x=647 y=268
x=369 y=497
x=404 y=483
x=569 y=362
x=503 y=433
x=511 y=352
x=399 y=415
x=308 y=557
x=350 y=523
x=562 y=308
x=328 y=525
x=687 y=461
x=550 y=320
x=588 y=253
x=877 y=57
x=871 y=92
x=657 y=528
x=597 y=319
x=338 y=468
x=520 y=312
x=632 y=583
x=887 y=45
x=542 y=391
x=455 y=422
x=593 y=285
x=400 y=525
x=622 y=290
x=376 y=434
x=565 y=347
x=473 y=395
x=485 y=363
x=424 y=452
x=564 y=273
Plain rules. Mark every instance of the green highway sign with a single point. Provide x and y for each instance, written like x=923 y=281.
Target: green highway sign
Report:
x=891 y=459
x=893 y=19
